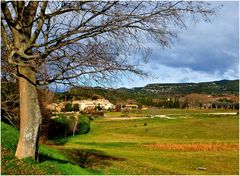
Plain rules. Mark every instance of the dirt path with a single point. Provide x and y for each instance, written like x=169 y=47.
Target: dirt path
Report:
x=166 y=117
x=144 y=117
x=124 y=118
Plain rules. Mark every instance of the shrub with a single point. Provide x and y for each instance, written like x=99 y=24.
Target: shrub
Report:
x=62 y=119
x=63 y=110
x=99 y=108
x=83 y=126
x=63 y=126
x=68 y=107
x=58 y=127
x=75 y=107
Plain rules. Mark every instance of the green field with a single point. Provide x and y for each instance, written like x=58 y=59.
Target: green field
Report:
x=182 y=145
x=192 y=142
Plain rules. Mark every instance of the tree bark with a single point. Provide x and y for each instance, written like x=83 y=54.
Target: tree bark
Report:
x=30 y=115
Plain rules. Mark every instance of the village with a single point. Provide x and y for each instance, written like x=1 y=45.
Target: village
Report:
x=119 y=87
x=88 y=106
x=191 y=101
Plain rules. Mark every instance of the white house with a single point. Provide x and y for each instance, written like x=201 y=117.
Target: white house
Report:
x=103 y=103
x=56 y=107
x=83 y=105
x=89 y=104
x=86 y=104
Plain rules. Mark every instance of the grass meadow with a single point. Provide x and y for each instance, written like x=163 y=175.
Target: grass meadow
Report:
x=191 y=142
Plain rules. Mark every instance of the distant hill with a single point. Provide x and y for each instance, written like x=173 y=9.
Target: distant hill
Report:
x=151 y=91
x=215 y=87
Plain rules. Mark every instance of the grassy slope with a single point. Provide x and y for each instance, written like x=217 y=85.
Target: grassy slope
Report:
x=52 y=161
x=122 y=140
x=117 y=147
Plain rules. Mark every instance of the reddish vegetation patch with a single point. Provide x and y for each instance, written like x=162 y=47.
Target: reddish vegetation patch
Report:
x=194 y=147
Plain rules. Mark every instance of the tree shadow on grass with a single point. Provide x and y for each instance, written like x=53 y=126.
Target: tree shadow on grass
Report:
x=89 y=158
x=44 y=157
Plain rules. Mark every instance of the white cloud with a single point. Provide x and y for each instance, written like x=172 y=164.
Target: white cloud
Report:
x=165 y=74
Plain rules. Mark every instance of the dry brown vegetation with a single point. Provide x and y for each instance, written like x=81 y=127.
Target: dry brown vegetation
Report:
x=194 y=147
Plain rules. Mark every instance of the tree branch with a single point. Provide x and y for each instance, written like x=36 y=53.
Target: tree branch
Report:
x=7 y=13
x=5 y=37
x=39 y=25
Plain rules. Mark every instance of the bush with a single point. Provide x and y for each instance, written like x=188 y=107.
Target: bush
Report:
x=83 y=126
x=99 y=108
x=58 y=127
x=75 y=107
x=63 y=110
x=62 y=119
x=63 y=126
x=68 y=107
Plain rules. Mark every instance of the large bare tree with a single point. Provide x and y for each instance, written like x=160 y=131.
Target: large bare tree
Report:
x=81 y=41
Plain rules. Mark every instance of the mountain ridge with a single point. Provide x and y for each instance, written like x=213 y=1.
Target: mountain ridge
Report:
x=155 y=91
x=188 y=83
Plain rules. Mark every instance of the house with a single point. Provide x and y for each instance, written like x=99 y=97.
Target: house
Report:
x=56 y=107
x=92 y=104
x=83 y=105
x=104 y=104
x=86 y=104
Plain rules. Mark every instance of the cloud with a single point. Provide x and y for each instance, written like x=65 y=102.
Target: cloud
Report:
x=165 y=74
x=205 y=52
x=205 y=47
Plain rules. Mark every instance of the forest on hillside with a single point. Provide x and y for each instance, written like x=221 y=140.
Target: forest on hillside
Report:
x=186 y=95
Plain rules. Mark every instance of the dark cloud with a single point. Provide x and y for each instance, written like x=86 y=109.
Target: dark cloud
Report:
x=205 y=52
x=206 y=47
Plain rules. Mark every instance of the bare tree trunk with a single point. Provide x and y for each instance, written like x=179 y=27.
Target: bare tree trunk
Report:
x=30 y=115
x=75 y=125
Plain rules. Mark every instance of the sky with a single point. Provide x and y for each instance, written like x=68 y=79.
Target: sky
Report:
x=205 y=52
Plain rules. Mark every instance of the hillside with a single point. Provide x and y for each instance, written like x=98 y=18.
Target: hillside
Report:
x=52 y=161
x=215 y=87
x=151 y=91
